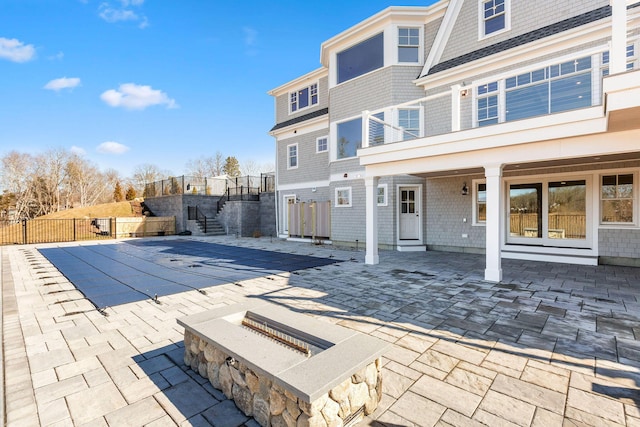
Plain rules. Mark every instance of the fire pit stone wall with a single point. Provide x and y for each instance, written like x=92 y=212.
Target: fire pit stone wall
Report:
x=336 y=387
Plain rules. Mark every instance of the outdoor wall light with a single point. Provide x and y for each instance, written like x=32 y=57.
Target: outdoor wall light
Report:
x=465 y=189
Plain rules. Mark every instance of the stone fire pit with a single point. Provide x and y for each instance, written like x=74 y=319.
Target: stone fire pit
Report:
x=285 y=368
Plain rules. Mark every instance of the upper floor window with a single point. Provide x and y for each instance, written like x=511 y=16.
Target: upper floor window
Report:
x=616 y=199
x=408 y=44
x=349 y=138
x=360 y=59
x=292 y=156
x=409 y=121
x=553 y=89
x=560 y=87
x=494 y=16
x=321 y=144
x=631 y=57
x=487 y=103
x=303 y=98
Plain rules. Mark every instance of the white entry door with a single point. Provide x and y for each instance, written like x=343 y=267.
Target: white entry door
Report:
x=409 y=207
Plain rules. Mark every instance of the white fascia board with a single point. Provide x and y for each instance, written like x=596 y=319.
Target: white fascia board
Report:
x=512 y=135
x=302 y=185
x=297 y=129
x=442 y=37
x=310 y=77
x=561 y=125
x=366 y=28
x=594 y=145
x=530 y=51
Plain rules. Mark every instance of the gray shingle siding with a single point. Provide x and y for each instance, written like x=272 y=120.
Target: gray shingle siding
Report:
x=529 y=21
x=312 y=166
x=446 y=209
x=623 y=243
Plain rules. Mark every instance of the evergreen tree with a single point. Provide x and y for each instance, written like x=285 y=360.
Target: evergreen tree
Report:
x=131 y=193
x=231 y=166
x=118 y=196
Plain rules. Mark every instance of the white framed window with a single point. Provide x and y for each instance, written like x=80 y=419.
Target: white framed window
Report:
x=631 y=55
x=559 y=87
x=479 y=202
x=303 y=98
x=494 y=17
x=322 y=144
x=409 y=121
x=292 y=156
x=617 y=198
x=487 y=104
x=382 y=195
x=343 y=197
x=408 y=45
x=348 y=138
x=552 y=211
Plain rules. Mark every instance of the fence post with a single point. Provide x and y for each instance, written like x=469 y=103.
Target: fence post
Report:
x=24 y=231
x=74 y=230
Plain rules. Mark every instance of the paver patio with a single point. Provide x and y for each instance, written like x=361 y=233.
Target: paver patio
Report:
x=552 y=344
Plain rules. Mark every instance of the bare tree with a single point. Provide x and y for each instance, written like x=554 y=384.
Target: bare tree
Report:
x=206 y=166
x=218 y=164
x=16 y=178
x=250 y=167
x=146 y=173
x=86 y=185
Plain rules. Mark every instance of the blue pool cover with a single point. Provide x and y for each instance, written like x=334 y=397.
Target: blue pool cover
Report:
x=113 y=274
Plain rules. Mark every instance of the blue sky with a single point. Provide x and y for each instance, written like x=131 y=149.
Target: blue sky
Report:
x=127 y=82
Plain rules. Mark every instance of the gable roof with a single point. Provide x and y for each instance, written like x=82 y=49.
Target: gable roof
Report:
x=300 y=119
x=540 y=33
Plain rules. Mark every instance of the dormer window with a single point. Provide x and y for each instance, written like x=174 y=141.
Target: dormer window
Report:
x=303 y=98
x=494 y=17
x=408 y=44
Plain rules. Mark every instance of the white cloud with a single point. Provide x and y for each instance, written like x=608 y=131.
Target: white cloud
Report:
x=112 y=147
x=123 y=12
x=250 y=36
x=16 y=51
x=63 y=83
x=57 y=57
x=136 y=97
x=78 y=150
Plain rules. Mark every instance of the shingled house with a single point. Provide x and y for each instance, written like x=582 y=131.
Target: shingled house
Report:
x=504 y=127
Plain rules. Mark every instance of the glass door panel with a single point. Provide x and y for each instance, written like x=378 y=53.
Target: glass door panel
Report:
x=567 y=213
x=525 y=216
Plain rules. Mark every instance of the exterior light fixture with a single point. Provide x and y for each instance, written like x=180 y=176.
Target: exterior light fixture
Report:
x=465 y=189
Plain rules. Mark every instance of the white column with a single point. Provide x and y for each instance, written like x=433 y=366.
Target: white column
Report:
x=371 y=220
x=618 y=45
x=365 y=128
x=494 y=223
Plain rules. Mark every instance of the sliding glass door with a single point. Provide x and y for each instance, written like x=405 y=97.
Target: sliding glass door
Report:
x=549 y=213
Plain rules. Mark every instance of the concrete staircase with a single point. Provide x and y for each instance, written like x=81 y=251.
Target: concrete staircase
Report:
x=213 y=228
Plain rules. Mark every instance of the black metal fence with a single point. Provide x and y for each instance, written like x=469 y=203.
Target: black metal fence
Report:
x=215 y=186
x=19 y=232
